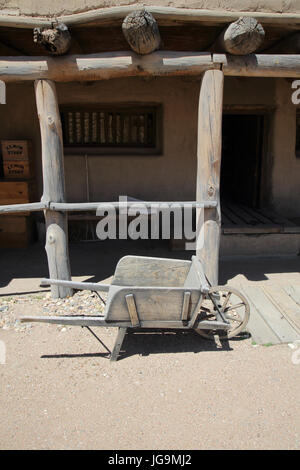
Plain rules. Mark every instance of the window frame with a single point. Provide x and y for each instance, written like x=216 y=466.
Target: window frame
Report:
x=107 y=150
x=297 y=151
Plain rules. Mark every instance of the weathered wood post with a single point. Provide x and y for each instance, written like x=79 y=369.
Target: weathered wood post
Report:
x=208 y=172
x=54 y=184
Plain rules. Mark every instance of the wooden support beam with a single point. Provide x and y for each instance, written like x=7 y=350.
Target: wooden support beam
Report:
x=103 y=66
x=165 y=14
x=208 y=170
x=56 y=40
x=259 y=65
x=161 y=63
x=141 y=32
x=242 y=37
x=54 y=185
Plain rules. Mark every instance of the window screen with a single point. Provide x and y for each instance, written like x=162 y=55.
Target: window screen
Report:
x=110 y=128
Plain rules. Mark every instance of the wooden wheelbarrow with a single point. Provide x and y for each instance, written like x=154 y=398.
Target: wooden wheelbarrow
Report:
x=160 y=293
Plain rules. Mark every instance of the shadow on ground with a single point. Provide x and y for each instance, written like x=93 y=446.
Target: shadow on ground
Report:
x=97 y=261
x=150 y=342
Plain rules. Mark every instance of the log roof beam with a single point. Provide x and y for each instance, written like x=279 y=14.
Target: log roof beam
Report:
x=169 y=14
x=162 y=63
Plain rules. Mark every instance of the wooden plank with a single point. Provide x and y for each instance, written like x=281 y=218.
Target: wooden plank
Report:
x=86 y=320
x=258 y=327
x=13 y=150
x=185 y=306
x=253 y=219
x=231 y=215
x=148 y=271
x=272 y=316
x=132 y=310
x=287 y=225
x=208 y=169
x=248 y=229
x=294 y=292
x=15 y=192
x=285 y=304
x=11 y=225
x=248 y=217
x=259 y=214
x=152 y=303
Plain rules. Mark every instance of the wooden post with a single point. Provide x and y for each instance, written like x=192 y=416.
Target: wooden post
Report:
x=208 y=171
x=54 y=185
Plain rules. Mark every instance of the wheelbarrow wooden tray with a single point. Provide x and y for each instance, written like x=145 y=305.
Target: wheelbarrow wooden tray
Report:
x=145 y=293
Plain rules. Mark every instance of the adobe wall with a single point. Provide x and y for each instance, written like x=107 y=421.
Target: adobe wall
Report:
x=57 y=7
x=285 y=195
x=170 y=176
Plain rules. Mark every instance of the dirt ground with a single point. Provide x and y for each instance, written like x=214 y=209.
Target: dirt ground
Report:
x=171 y=391
x=58 y=389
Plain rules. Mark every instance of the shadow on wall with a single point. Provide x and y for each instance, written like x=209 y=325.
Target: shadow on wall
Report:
x=94 y=259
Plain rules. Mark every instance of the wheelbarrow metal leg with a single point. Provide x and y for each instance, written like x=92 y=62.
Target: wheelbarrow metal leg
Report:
x=118 y=344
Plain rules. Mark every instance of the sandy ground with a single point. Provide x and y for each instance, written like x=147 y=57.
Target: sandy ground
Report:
x=171 y=391
x=58 y=389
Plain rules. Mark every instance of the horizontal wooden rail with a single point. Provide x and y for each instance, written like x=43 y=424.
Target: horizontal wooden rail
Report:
x=162 y=63
x=104 y=66
x=93 y=206
x=30 y=207
x=105 y=15
x=259 y=65
x=76 y=285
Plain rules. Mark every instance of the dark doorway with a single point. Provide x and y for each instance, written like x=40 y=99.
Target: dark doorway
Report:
x=241 y=158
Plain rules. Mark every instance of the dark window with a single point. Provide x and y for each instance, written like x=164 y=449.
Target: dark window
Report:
x=111 y=129
x=298 y=135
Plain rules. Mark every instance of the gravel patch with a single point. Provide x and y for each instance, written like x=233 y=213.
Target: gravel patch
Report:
x=82 y=303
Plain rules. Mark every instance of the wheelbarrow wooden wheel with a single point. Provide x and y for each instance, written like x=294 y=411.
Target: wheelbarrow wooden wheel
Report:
x=233 y=306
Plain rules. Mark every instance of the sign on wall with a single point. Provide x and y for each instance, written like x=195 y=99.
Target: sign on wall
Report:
x=2 y=92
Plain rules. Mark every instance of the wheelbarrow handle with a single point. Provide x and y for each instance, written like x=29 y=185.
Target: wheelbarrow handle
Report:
x=76 y=285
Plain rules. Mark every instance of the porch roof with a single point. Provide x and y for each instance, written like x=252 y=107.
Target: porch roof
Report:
x=181 y=29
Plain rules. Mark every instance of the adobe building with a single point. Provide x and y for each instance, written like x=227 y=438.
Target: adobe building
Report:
x=133 y=123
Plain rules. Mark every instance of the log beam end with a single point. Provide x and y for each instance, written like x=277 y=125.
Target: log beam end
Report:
x=242 y=37
x=56 y=40
x=141 y=32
